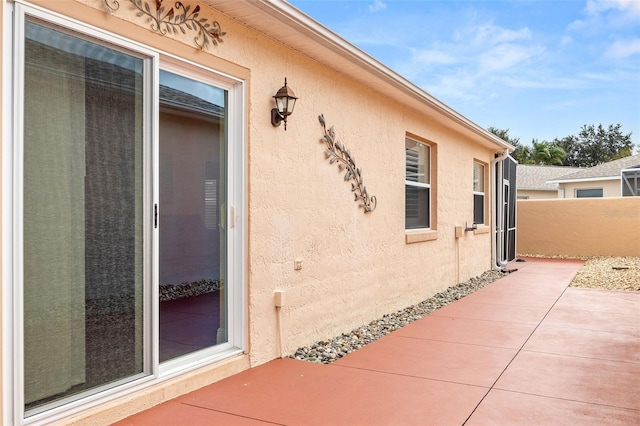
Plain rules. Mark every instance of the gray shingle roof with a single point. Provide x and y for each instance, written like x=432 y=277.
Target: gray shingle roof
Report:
x=531 y=177
x=611 y=169
x=177 y=99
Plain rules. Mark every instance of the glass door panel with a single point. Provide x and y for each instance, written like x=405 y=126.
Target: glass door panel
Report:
x=192 y=228
x=82 y=221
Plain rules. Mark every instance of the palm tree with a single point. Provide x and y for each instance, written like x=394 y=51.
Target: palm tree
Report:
x=545 y=153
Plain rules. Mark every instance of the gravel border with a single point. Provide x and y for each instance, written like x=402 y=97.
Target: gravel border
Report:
x=609 y=273
x=598 y=272
x=327 y=351
x=603 y=272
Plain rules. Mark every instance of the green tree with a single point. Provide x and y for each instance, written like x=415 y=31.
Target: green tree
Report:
x=595 y=145
x=522 y=153
x=546 y=153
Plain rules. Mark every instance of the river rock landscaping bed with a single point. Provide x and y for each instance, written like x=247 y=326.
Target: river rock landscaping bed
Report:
x=328 y=351
x=599 y=272
x=188 y=289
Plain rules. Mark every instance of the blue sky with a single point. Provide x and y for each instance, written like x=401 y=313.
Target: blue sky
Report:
x=541 y=69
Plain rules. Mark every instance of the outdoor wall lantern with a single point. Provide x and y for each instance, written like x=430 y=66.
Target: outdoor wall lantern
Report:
x=285 y=101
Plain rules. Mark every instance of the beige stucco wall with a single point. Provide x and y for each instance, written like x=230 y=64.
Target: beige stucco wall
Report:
x=610 y=188
x=580 y=227
x=356 y=266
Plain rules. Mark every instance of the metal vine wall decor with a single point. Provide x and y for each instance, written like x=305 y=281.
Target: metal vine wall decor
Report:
x=175 y=20
x=338 y=153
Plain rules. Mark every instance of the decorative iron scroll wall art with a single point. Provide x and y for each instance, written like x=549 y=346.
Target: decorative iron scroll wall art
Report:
x=175 y=20
x=338 y=153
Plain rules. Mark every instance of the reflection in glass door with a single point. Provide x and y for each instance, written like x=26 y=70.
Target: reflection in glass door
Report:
x=83 y=216
x=192 y=263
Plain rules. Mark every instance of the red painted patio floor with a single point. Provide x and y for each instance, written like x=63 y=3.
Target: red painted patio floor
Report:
x=524 y=350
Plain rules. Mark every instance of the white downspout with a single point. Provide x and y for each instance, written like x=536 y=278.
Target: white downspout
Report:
x=497 y=211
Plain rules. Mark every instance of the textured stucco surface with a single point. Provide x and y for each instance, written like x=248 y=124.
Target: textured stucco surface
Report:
x=580 y=227
x=356 y=266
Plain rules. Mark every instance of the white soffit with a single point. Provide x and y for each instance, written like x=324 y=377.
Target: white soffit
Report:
x=284 y=23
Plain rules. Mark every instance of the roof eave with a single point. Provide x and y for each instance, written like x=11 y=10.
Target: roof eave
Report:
x=591 y=179
x=327 y=47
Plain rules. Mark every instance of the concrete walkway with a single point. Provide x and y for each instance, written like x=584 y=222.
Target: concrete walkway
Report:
x=524 y=350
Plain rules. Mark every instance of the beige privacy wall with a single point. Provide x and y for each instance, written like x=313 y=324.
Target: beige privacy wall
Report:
x=579 y=227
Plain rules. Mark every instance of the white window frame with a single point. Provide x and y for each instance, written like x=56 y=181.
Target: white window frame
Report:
x=421 y=184
x=12 y=222
x=483 y=180
x=234 y=216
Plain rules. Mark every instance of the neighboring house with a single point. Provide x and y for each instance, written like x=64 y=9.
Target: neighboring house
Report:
x=533 y=181
x=161 y=233
x=617 y=178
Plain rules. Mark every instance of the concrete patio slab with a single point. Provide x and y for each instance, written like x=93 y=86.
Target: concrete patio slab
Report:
x=431 y=359
x=523 y=350
x=291 y=392
x=489 y=312
x=583 y=316
x=502 y=408
x=595 y=381
x=177 y=413
x=497 y=334
x=584 y=343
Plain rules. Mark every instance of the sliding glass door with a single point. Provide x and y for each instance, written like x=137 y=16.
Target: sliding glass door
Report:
x=126 y=229
x=83 y=211
x=193 y=295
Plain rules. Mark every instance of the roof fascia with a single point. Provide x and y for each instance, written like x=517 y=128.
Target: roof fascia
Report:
x=591 y=179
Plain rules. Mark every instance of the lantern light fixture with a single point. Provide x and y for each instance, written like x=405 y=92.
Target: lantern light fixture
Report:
x=285 y=101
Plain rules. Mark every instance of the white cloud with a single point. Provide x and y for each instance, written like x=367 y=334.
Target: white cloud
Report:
x=544 y=80
x=607 y=14
x=624 y=49
x=600 y=77
x=565 y=41
x=431 y=57
x=595 y=7
x=459 y=85
x=491 y=34
x=377 y=6
x=632 y=5
x=475 y=61
x=577 y=25
x=564 y=105
x=506 y=57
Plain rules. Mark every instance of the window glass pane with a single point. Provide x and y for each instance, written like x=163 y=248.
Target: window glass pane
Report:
x=589 y=193
x=478 y=177
x=416 y=207
x=82 y=230
x=478 y=208
x=193 y=296
x=417 y=162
